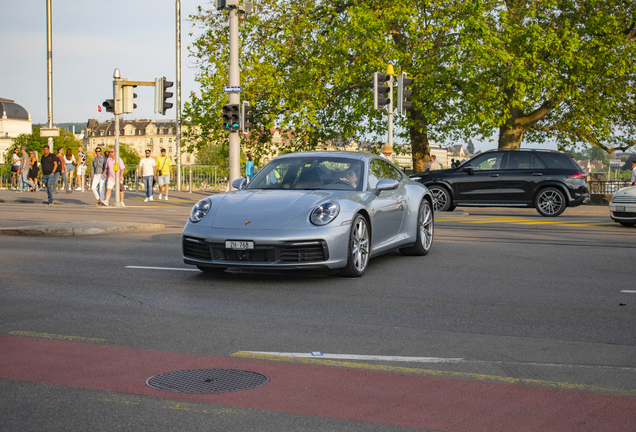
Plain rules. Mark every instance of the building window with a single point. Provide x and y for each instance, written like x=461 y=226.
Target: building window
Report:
x=169 y=149
x=101 y=133
x=102 y=142
x=188 y=158
x=160 y=140
x=93 y=142
x=169 y=140
x=151 y=141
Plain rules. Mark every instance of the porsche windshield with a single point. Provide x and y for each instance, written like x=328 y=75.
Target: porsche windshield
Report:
x=310 y=173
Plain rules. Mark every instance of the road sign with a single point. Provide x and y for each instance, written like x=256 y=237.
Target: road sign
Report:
x=232 y=89
x=52 y=132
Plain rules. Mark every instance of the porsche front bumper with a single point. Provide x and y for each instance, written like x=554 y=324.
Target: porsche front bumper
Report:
x=319 y=248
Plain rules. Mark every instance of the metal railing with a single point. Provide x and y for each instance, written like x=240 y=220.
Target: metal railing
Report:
x=193 y=178
x=607 y=187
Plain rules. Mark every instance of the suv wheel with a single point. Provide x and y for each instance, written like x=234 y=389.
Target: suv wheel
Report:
x=550 y=202
x=441 y=198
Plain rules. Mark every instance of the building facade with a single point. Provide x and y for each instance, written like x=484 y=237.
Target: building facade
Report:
x=139 y=135
x=14 y=120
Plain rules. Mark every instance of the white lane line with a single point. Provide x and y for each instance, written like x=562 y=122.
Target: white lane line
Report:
x=321 y=355
x=629 y=291
x=318 y=354
x=163 y=268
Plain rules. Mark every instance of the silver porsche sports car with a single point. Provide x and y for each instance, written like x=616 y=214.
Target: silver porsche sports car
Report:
x=313 y=210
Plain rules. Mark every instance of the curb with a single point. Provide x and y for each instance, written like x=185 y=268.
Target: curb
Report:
x=79 y=229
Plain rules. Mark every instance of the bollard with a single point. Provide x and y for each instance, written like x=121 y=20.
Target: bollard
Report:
x=137 y=180
x=190 y=180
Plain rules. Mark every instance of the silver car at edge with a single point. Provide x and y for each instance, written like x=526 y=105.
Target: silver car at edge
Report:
x=311 y=210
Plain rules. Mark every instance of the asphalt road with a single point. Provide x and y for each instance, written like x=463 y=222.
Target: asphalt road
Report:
x=528 y=306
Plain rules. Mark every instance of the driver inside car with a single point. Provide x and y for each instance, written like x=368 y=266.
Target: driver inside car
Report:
x=350 y=177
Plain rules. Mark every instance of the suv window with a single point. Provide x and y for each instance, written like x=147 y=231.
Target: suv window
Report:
x=486 y=162
x=524 y=160
x=558 y=161
x=379 y=170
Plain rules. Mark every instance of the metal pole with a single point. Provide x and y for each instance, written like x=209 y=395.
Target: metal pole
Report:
x=116 y=96
x=234 y=98
x=178 y=153
x=49 y=67
x=390 y=113
x=190 y=191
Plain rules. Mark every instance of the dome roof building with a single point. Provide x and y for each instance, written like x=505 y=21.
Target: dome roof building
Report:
x=14 y=120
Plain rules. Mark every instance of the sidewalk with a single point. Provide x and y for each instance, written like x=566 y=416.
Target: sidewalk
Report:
x=87 y=198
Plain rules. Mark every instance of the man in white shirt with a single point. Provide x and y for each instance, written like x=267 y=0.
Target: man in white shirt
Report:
x=434 y=163
x=148 y=171
x=634 y=172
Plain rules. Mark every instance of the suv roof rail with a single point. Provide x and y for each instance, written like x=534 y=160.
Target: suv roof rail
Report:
x=526 y=149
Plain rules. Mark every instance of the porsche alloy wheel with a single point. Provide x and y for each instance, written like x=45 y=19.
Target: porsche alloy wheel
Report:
x=359 y=248
x=425 y=228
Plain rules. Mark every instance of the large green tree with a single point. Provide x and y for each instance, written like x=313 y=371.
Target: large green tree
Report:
x=34 y=141
x=560 y=70
x=307 y=67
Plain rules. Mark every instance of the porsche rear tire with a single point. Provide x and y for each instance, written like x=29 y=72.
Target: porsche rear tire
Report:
x=359 y=248
x=425 y=228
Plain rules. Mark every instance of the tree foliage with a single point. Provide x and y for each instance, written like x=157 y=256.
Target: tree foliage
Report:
x=550 y=69
x=533 y=70
x=34 y=141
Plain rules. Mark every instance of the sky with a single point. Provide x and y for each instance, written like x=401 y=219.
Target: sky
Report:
x=90 y=39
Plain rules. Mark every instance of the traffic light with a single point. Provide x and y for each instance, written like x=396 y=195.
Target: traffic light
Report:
x=110 y=106
x=380 y=89
x=403 y=93
x=246 y=117
x=128 y=97
x=231 y=117
x=162 y=96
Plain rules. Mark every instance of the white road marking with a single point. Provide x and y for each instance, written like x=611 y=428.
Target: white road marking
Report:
x=163 y=268
x=317 y=354
x=320 y=355
x=629 y=291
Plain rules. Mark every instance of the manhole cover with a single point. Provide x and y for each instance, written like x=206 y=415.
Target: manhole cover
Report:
x=207 y=380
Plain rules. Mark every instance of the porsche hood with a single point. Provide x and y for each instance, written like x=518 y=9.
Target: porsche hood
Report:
x=266 y=209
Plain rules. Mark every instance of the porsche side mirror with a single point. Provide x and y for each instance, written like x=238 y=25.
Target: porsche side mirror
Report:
x=468 y=169
x=239 y=183
x=385 y=185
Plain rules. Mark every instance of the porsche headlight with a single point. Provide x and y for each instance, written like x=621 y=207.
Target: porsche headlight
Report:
x=200 y=209
x=324 y=213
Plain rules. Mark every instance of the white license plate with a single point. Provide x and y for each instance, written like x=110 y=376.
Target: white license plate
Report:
x=239 y=245
x=620 y=208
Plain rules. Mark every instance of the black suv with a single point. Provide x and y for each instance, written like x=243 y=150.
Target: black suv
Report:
x=547 y=180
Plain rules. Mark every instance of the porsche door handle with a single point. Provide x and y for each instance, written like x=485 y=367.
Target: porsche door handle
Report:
x=537 y=174
x=494 y=175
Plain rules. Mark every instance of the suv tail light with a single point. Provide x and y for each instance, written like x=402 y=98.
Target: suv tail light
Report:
x=578 y=176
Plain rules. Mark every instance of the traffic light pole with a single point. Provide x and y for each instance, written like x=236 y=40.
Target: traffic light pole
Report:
x=117 y=94
x=390 y=113
x=234 y=98
x=178 y=89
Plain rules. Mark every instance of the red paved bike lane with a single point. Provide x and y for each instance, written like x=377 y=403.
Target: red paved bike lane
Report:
x=368 y=396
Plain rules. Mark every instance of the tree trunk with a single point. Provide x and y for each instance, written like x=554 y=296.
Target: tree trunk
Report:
x=511 y=134
x=419 y=141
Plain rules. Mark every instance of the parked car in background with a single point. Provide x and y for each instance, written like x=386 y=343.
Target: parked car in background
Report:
x=623 y=206
x=314 y=210
x=549 y=181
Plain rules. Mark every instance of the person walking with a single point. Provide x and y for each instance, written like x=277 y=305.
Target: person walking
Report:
x=148 y=172
x=99 y=181
x=15 y=167
x=434 y=163
x=49 y=165
x=164 y=173
x=69 y=163
x=249 y=167
x=112 y=172
x=634 y=172
x=23 y=173
x=61 y=170
x=81 y=168
x=35 y=169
